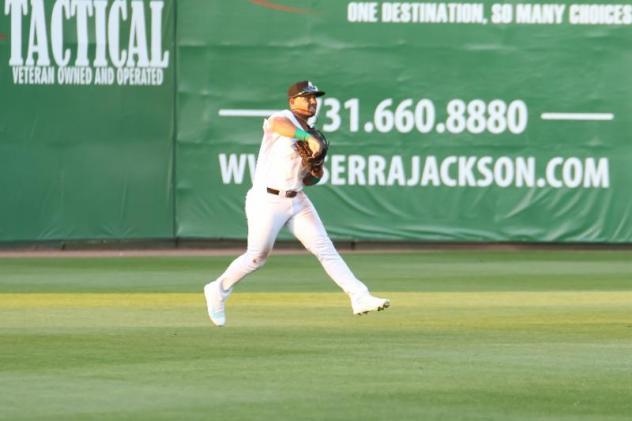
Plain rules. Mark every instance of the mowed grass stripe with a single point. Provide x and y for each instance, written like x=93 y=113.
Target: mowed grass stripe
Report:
x=499 y=310
x=440 y=271
x=288 y=299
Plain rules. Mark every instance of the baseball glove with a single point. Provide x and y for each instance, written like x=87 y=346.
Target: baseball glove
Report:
x=310 y=161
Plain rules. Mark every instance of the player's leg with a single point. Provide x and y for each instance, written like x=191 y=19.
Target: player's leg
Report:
x=266 y=216
x=308 y=228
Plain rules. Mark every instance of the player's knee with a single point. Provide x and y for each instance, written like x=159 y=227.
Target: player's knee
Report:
x=256 y=259
x=260 y=260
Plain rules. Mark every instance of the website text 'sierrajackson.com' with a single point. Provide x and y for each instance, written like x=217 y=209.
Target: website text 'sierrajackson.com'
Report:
x=447 y=171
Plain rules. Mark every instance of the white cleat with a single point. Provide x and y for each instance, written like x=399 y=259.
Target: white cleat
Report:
x=365 y=303
x=215 y=303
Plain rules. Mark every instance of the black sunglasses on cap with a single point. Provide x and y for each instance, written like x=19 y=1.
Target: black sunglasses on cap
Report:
x=304 y=87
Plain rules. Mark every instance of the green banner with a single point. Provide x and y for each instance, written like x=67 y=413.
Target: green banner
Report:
x=86 y=119
x=447 y=121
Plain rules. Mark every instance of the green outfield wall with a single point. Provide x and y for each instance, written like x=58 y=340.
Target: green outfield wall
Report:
x=86 y=119
x=130 y=119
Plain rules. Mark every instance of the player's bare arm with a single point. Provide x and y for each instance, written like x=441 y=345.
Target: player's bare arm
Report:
x=284 y=127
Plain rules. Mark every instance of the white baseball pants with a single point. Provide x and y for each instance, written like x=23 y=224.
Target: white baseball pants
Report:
x=267 y=214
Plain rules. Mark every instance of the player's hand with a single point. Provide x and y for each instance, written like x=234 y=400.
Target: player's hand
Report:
x=315 y=146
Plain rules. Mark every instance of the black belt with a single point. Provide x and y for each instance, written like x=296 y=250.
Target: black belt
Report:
x=288 y=193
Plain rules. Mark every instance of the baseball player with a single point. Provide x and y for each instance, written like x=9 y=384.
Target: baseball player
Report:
x=291 y=156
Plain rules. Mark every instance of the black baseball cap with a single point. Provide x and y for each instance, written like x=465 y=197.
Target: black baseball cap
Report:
x=304 y=87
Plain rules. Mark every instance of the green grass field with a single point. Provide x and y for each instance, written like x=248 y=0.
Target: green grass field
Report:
x=511 y=335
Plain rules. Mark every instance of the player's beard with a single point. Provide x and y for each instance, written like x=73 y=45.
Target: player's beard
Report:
x=304 y=114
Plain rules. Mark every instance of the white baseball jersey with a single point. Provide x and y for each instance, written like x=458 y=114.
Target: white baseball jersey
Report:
x=279 y=166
